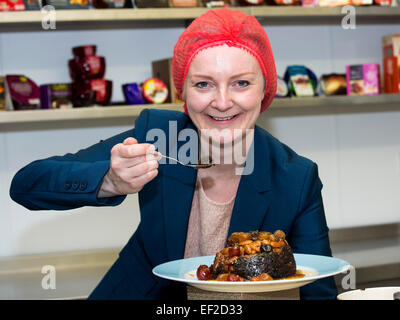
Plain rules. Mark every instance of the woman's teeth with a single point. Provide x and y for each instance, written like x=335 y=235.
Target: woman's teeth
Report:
x=222 y=118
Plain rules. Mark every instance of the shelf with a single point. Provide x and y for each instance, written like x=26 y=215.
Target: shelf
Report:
x=312 y=105
x=150 y=17
x=381 y=101
x=86 y=113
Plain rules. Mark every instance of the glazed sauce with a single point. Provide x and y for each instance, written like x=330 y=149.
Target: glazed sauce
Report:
x=299 y=274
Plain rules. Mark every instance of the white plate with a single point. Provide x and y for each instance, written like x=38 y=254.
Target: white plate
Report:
x=380 y=293
x=315 y=267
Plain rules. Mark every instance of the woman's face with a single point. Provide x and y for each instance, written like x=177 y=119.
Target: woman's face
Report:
x=224 y=89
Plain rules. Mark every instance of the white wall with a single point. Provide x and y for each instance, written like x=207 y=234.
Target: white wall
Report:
x=358 y=154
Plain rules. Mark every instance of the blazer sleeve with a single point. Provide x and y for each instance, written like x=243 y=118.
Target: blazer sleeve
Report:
x=73 y=180
x=310 y=234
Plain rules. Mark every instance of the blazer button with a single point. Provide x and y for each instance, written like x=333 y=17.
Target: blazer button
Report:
x=75 y=185
x=67 y=185
x=83 y=186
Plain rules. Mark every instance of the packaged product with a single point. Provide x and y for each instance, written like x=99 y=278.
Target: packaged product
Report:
x=84 y=51
x=2 y=94
x=56 y=96
x=151 y=3
x=383 y=2
x=217 y=4
x=362 y=2
x=363 y=79
x=333 y=84
x=309 y=3
x=301 y=81
x=162 y=69
x=91 y=92
x=32 y=4
x=105 y=4
x=133 y=93
x=154 y=90
x=250 y=2
x=12 y=5
x=67 y=4
x=288 y=2
x=391 y=63
x=183 y=3
x=282 y=89
x=93 y=67
x=391 y=74
x=333 y=3
x=21 y=93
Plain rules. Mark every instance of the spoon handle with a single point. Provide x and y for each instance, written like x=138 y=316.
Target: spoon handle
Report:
x=193 y=166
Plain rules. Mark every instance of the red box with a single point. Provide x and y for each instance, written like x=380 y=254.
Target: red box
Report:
x=12 y=5
x=391 y=74
x=391 y=63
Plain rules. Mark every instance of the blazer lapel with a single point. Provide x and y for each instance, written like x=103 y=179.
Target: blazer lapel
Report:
x=178 y=188
x=254 y=194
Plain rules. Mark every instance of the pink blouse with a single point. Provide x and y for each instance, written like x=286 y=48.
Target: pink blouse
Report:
x=208 y=224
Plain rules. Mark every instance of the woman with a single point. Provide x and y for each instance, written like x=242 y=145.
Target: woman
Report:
x=224 y=70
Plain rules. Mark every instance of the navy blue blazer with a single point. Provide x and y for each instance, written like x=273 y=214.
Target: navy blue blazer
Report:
x=283 y=192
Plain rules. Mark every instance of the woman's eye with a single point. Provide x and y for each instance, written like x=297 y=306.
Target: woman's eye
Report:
x=201 y=85
x=242 y=83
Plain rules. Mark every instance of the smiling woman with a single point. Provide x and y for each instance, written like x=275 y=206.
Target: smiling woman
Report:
x=223 y=68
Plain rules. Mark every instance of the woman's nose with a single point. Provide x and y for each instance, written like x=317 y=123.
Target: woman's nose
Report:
x=223 y=100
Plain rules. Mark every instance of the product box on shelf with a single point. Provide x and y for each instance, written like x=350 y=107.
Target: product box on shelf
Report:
x=2 y=94
x=250 y=2
x=333 y=84
x=56 y=96
x=12 y=5
x=391 y=74
x=341 y=3
x=184 y=3
x=333 y=3
x=383 y=2
x=309 y=3
x=21 y=93
x=302 y=82
x=87 y=71
x=282 y=90
x=107 y=4
x=32 y=4
x=87 y=93
x=67 y=4
x=218 y=4
x=151 y=3
x=391 y=63
x=133 y=93
x=162 y=69
x=363 y=79
x=361 y=2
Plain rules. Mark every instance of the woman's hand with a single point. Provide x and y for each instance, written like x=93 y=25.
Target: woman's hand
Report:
x=132 y=165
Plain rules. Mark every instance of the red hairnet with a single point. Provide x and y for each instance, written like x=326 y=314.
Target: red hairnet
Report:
x=230 y=27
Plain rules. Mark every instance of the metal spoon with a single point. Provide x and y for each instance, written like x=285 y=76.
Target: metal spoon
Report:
x=193 y=166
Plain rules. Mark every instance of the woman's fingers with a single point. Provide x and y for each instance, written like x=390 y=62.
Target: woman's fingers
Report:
x=140 y=169
x=132 y=150
x=132 y=165
x=129 y=141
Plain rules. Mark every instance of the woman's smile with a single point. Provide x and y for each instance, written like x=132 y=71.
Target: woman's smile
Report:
x=224 y=120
